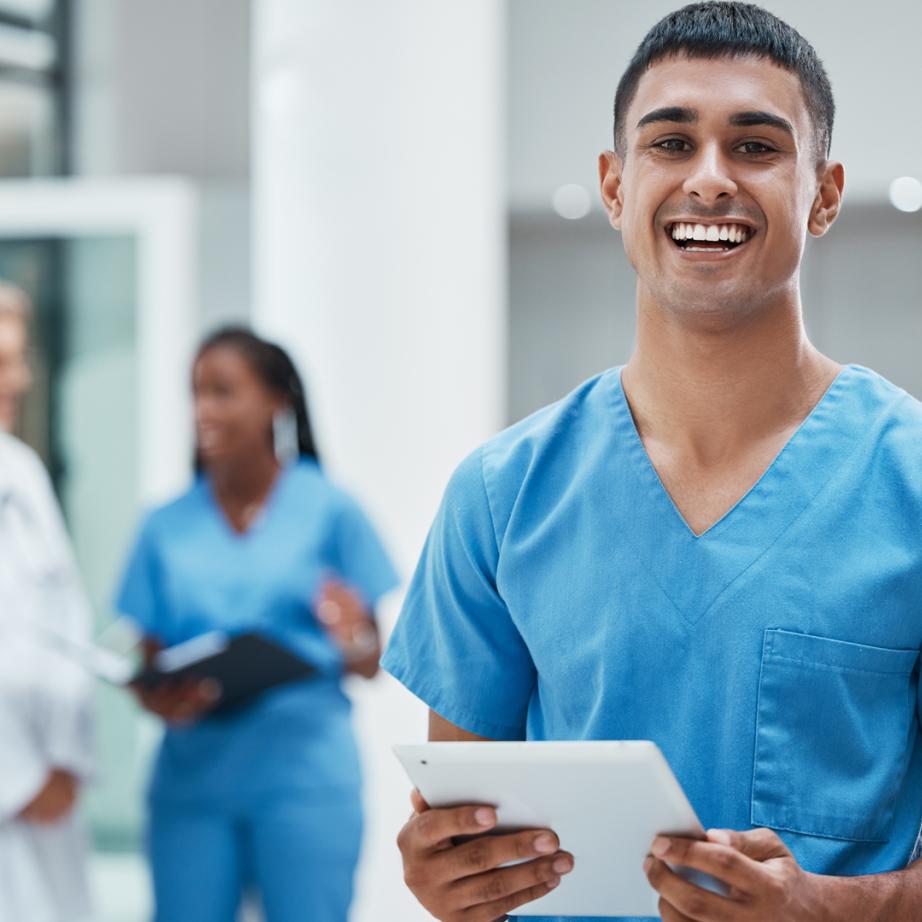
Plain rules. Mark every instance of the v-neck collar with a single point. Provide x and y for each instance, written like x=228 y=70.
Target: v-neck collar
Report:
x=694 y=570
x=259 y=520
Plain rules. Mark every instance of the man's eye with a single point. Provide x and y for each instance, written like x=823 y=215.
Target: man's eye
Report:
x=673 y=145
x=755 y=147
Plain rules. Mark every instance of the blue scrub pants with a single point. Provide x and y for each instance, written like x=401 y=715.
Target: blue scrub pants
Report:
x=299 y=857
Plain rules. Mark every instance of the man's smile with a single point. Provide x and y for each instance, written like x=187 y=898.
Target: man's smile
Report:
x=708 y=240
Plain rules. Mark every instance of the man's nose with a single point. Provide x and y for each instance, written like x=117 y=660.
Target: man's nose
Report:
x=710 y=179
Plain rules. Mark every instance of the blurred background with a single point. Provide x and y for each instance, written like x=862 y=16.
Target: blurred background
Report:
x=401 y=193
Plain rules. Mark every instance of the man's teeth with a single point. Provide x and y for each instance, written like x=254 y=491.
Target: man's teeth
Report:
x=732 y=233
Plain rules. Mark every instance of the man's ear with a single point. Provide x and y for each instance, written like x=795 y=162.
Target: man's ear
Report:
x=828 y=201
x=611 y=186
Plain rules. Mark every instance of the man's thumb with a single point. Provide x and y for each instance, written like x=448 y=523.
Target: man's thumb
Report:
x=758 y=844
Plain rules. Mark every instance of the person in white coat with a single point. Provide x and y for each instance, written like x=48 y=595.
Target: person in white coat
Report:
x=45 y=701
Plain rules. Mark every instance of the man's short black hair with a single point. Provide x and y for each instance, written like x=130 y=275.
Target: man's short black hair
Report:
x=731 y=29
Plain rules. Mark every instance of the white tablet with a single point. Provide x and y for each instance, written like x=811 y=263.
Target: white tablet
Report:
x=606 y=801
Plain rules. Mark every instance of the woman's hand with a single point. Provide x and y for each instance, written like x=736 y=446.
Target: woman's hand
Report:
x=176 y=702
x=54 y=801
x=180 y=702
x=343 y=615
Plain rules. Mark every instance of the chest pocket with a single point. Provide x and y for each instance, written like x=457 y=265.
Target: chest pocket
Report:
x=835 y=726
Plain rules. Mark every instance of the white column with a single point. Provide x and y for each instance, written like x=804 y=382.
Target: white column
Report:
x=379 y=255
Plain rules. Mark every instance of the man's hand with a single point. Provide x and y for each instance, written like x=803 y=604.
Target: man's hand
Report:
x=465 y=883
x=764 y=882
x=54 y=801
x=180 y=702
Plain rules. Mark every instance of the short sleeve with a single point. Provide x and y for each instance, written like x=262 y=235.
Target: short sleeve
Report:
x=138 y=597
x=455 y=645
x=361 y=560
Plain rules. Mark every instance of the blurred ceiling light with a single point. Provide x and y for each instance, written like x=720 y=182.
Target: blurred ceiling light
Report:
x=906 y=193
x=572 y=202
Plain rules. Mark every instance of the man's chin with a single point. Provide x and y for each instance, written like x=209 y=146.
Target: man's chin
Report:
x=712 y=304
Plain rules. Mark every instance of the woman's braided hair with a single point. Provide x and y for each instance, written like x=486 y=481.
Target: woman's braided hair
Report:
x=275 y=369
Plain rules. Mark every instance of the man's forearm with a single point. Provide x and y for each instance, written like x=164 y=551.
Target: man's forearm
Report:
x=893 y=897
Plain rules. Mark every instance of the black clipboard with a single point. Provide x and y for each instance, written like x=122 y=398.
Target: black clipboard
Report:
x=244 y=666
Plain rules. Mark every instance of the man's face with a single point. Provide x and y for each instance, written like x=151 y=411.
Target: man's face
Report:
x=721 y=148
x=14 y=372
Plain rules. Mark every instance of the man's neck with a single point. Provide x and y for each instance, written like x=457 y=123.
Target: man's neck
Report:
x=709 y=393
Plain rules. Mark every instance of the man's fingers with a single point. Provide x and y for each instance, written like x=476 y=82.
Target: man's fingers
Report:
x=426 y=831
x=503 y=882
x=490 y=912
x=669 y=913
x=454 y=867
x=720 y=861
x=694 y=902
x=489 y=852
x=758 y=844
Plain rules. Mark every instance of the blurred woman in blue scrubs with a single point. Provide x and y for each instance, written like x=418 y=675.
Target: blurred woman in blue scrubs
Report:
x=267 y=796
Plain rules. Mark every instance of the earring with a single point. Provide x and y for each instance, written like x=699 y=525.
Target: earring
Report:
x=285 y=436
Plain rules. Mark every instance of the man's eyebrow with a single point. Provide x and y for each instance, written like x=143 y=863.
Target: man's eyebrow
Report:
x=669 y=114
x=687 y=116
x=750 y=119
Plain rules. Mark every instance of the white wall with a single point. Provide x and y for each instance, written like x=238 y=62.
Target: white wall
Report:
x=163 y=88
x=379 y=255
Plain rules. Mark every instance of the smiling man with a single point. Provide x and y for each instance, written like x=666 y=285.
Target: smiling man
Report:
x=716 y=547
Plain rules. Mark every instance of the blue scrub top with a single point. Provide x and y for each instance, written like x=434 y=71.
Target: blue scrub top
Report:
x=774 y=659
x=190 y=573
